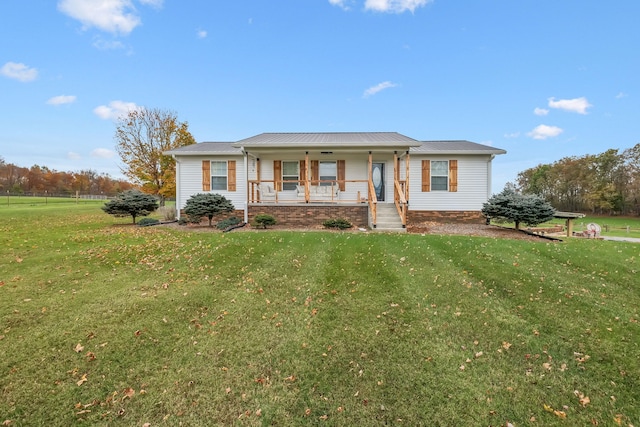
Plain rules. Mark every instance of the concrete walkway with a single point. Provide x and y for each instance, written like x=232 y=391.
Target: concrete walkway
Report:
x=621 y=239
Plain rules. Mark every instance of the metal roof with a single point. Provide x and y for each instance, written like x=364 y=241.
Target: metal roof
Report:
x=206 y=148
x=454 y=147
x=336 y=139
x=361 y=140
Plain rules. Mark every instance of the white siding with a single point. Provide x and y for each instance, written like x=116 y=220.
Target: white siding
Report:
x=473 y=183
x=189 y=180
x=356 y=168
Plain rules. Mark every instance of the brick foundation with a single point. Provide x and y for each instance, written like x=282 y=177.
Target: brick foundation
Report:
x=465 y=217
x=307 y=215
x=217 y=218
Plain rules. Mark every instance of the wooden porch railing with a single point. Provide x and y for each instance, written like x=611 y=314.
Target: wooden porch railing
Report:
x=400 y=199
x=291 y=196
x=373 y=203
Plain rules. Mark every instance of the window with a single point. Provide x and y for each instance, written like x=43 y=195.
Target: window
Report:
x=291 y=173
x=328 y=173
x=439 y=175
x=219 y=175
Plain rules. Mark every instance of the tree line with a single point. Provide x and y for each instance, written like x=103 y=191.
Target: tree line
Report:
x=607 y=183
x=141 y=137
x=37 y=179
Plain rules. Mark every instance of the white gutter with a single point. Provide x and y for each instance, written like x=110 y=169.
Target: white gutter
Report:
x=245 y=156
x=489 y=175
x=177 y=186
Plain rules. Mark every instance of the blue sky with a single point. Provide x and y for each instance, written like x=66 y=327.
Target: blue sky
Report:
x=542 y=79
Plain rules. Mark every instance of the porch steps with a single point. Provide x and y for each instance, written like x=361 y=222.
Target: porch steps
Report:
x=388 y=219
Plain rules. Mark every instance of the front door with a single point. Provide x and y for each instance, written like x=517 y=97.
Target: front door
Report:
x=377 y=176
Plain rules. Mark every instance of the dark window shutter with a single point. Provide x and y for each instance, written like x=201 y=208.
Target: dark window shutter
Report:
x=341 y=174
x=231 y=175
x=206 y=175
x=315 y=172
x=426 y=175
x=277 y=174
x=453 y=176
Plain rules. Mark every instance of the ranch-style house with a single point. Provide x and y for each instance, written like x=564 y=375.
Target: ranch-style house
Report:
x=380 y=180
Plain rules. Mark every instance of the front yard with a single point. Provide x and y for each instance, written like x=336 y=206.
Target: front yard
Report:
x=116 y=324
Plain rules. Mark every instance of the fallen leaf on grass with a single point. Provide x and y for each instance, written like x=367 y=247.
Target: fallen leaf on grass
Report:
x=557 y=413
x=90 y=356
x=560 y=414
x=506 y=345
x=584 y=400
x=128 y=393
x=82 y=380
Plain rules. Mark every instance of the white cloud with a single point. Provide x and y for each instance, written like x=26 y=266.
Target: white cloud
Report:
x=340 y=3
x=512 y=135
x=621 y=95
x=544 y=132
x=62 y=99
x=377 y=88
x=102 y=153
x=395 y=6
x=202 y=34
x=113 y=16
x=576 y=105
x=19 y=71
x=154 y=3
x=115 y=110
x=540 y=111
x=73 y=156
x=102 y=44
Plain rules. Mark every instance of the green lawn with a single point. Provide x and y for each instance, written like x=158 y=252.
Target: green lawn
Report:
x=104 y=323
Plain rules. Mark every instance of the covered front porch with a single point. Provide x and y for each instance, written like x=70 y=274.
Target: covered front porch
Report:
x=328 y=184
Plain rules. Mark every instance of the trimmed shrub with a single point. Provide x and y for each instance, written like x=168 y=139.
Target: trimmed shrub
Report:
x=339 y=223
x=229 y=222
x=206 y=205
x=145 y=222
x=264 y=220
x=132 y=203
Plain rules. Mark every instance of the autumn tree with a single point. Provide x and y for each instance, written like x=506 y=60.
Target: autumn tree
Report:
x=141 y=138
x=132 y=203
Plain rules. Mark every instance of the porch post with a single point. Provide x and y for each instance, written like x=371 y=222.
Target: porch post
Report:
x=396 y=176
x=246 y=181
x=406 y=177
x=258 y=177
x=369 y=173
x=306 y=176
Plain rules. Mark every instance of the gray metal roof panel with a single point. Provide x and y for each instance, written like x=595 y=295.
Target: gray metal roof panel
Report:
x=206 y=148
x=455 y=147
x=362 y=139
